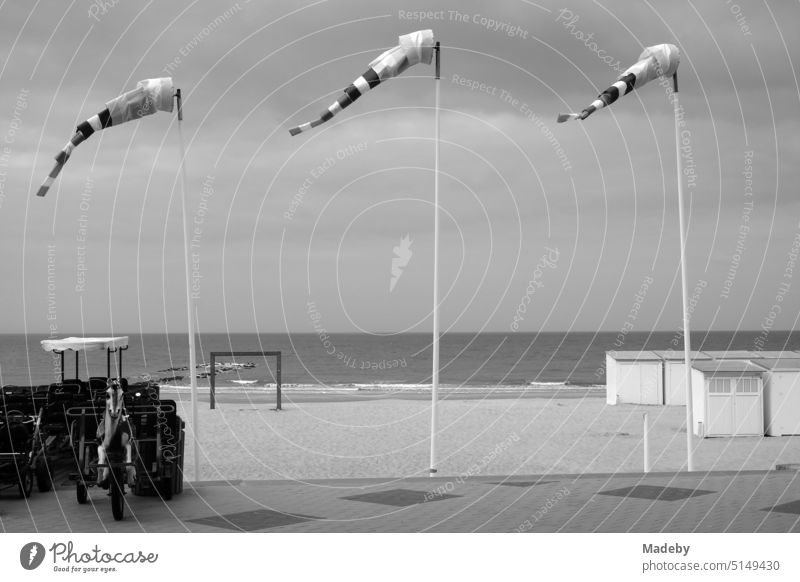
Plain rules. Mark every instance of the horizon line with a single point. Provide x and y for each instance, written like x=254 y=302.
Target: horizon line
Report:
x=386 y=333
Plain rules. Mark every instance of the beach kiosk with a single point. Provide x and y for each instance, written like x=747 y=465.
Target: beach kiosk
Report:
x=781 y=395
x=675 y=374
x=634 y=377
x=727 y=398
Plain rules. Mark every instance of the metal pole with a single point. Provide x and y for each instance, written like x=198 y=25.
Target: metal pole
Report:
x=77 y=359
x=278 y=380
x=108 y=363
x=435 y=346
x=189 y=302
x=213 y=387
x=646 y=443
x=687 y=348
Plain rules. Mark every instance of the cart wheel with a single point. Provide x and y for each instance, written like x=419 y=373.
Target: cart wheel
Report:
x=44 y=481
x=117 y=496
x=165 y=488
x=25 y=481
x=81 y=492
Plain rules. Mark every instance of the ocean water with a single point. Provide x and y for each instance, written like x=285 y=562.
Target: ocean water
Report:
x=360 y=362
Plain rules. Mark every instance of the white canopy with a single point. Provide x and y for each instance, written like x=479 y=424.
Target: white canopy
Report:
x=87 y=344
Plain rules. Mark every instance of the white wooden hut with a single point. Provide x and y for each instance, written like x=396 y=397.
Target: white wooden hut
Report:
x=727 y=398
x=781 y=395
x=675 y=374
x=634 y=377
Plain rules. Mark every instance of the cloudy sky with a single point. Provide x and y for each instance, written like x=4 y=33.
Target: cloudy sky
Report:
x=577 y=222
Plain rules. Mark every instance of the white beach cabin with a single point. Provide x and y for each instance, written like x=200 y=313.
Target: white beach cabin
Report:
x=781 y=395
x=727 y=398
x=634 y=378
x=675 y=374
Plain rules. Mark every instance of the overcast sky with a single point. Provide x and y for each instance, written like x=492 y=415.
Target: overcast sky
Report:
x=576 y=222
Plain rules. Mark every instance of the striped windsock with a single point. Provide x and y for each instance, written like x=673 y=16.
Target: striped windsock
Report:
x=150 y=95
x=414 y=48
x=656 y=61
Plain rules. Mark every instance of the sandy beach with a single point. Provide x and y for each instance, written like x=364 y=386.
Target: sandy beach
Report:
x=326 y=436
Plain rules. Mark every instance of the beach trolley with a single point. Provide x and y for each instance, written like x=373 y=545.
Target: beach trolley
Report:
x=634 y=377
x=159 y=443
x=674 y=370
x=80 y=405
x=58 y=428
x=155 y=431
x=781 y=395
x=20 y=452
x=22 y=432
x=59 y=397
x=727 y=398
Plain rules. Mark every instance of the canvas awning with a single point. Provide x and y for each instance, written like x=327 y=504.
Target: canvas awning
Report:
x=86 y=344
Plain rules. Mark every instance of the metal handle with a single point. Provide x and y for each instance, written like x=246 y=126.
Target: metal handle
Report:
x=180 y=104
x=438 y=60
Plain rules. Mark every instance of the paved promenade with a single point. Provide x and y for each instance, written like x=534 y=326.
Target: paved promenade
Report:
x=748 y=501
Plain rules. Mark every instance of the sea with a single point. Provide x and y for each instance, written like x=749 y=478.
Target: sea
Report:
x=353 y=362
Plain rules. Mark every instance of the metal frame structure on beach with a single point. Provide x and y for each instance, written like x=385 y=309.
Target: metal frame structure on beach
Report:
x=213 y=373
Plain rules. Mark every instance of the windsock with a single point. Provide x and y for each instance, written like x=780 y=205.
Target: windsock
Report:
x=150 y=95
x=416 y=47
x=656 y=61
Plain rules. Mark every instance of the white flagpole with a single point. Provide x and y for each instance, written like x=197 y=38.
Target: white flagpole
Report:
x=189 y=302
x=435 y=346
x=685 y=288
